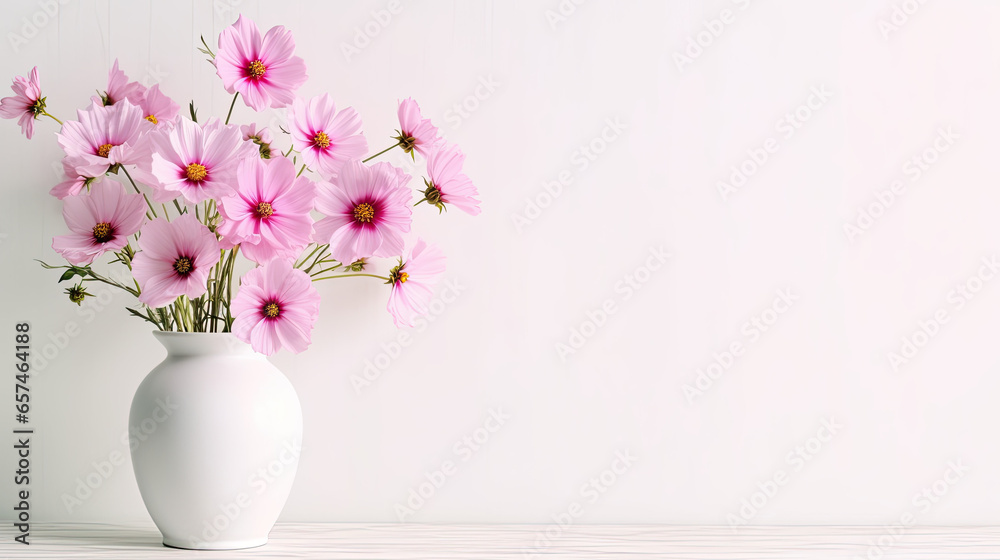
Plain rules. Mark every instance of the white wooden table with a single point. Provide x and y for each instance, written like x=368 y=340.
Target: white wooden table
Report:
x=331 y=541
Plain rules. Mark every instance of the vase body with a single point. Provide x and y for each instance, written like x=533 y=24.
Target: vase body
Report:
x=215 y=432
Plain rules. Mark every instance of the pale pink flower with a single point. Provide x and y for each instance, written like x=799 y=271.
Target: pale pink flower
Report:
x=415 y=132
x=78 y=175
x=26 y=104
x=174 y=260
x=268 y=215
x=367 y=209
x=256 y=133
x=276 y=307
x=102 y=220
x=413 y=283
x=260 y=136
x=326 y=138
x=119 y=88
x=157 y=108
x=105 y=136
x=263 y=71
x=448 y=185
x=197 y=161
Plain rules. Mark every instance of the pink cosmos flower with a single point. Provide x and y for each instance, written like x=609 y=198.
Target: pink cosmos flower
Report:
x=368 y=211
x=325 y=137
x=75 y=181
x=157 y=108
x=415 y=132
x=269 y=215
x=412 y=283
x=197 y=161
x=263 y=71
x=26 y=104
x=120 y=88
x=448 y=185
x=104 y=136
x=276 y=307
x=100 y=221
x=174 y=260
x=260 y=137
x=256 y=133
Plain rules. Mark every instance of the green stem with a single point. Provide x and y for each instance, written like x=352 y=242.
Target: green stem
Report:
x=229 y=285
x=319 y=258
x=351 y=276
x=136 y=187
x=301 y=170
x=318 y=272
x=51 y=117
x=110 y=282
x=309 y=256
x=380 y=153
x=231 y=105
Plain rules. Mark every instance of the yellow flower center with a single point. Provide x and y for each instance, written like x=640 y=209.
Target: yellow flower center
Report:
x=271 y=310
x=152 y=119
x=321 y=140
x=196 y=172
x=256 y=69
x=103 y=232
x=403 y=277
x=263 y=210
x=104 y=149
x=183 y=266
x=364 y=213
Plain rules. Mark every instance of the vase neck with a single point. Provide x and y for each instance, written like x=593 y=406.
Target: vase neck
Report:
x=203 y=344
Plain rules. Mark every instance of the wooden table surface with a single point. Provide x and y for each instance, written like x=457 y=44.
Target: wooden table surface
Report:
x=331 y=541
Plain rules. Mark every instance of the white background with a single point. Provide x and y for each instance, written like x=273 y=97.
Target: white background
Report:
x=523 y=291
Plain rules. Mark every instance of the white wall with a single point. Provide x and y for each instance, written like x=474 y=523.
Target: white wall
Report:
x=523 y=291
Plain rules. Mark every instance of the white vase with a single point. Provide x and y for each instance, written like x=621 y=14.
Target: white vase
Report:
x=215 y=433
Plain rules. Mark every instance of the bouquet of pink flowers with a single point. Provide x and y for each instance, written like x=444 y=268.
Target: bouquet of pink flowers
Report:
x=191 y=196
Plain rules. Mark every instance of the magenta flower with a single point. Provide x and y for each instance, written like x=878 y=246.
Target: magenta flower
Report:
x=269 y=213
x=367 y=209
x=325 y=137
x=413 y=281
x=175 y=260
x=105 y=136
x=75 y=181
x=100 y=221
x=157 y=108
x=119 y=88
x=27 y=103
x=448 y=185
x=276 y=307
x=263 y=71
x=197 y=161
x=415 y=132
